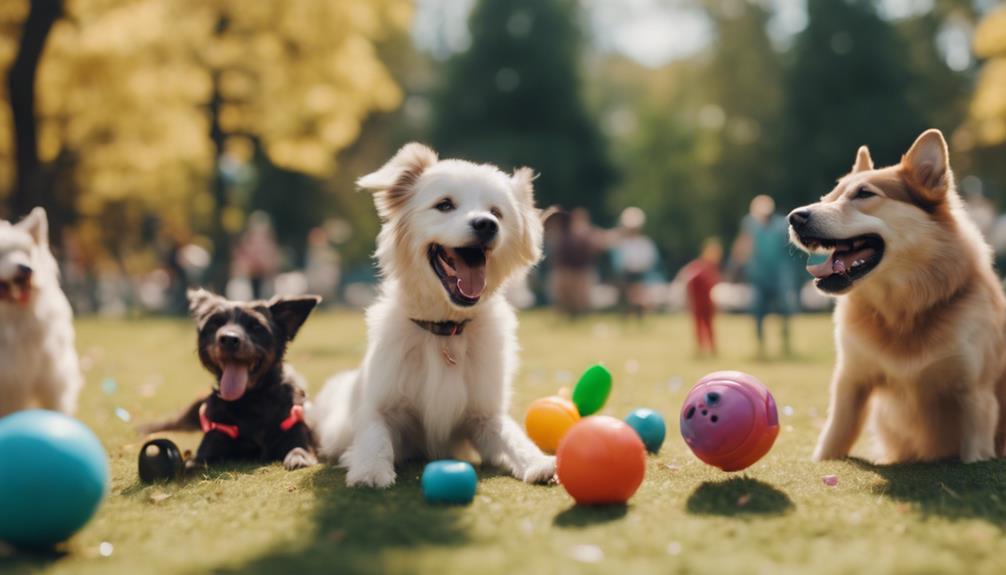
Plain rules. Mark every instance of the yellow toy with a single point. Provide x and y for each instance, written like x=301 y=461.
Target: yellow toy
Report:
x=548 y=419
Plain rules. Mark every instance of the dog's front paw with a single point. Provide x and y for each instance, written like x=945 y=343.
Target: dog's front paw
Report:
x=822 y=453
x=298 y=458
x=976 y=454
x=540 y=470
x=380 y=476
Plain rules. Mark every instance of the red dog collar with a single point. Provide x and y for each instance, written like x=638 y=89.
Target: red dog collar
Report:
x=296 y=416
x=208 y=426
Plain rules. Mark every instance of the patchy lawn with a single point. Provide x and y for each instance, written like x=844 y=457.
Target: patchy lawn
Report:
x=777 y=517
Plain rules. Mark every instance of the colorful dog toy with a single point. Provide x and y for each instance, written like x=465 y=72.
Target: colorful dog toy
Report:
x=650 y=427
x=58 y=481
x=547 y=421
x=601 y=461
x=160 y=459
x=591 y=392
x=449 y=481
x=729 y=420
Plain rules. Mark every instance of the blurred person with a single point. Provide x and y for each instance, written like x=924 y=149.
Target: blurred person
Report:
x=635 y=256
x=700 y=276
x=575 y=245
x=321 y=264
x=762 y=247
x=257 y=255
x=981 y=210
x=77 y=271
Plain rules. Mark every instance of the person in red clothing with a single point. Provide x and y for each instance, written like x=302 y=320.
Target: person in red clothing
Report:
x=700 y=275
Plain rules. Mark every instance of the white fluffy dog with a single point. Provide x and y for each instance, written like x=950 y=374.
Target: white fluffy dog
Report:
x=442 y=349
x=37 y=355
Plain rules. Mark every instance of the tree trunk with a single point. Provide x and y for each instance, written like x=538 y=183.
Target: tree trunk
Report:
x=21 y=90
x=220 y=265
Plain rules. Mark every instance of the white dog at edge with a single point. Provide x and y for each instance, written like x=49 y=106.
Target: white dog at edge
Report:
x=37 y=354
x=442 y=345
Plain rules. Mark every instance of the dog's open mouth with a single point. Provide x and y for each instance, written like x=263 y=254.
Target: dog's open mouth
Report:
x=234 y=379
x=848 y=260
x=462 y=271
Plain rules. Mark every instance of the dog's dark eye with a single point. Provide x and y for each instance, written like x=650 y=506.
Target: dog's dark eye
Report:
x=862 y=194
x=496 y=212
x=445 y=205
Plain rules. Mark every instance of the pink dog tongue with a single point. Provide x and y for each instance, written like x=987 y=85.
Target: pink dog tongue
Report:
x=471 y=280
x=233 y=381
x=825 y=268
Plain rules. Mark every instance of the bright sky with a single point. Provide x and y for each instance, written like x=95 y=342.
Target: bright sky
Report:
x=652 y=32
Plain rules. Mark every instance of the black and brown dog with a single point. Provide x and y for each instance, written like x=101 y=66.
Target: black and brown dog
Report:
x=256 y=409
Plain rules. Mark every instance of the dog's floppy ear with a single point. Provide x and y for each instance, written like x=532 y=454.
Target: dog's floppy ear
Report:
x=863 y=160
x=36 y=224
x=533 y=226
x=202 y=304
x=926 y=166
x=393 y=182
x=292 y=312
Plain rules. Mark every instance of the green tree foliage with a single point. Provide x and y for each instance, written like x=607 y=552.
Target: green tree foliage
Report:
x=708 y=145
x=850 y=84
x=514 y=98
x=739 y=120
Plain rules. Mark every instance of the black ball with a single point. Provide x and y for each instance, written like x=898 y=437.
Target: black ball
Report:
x=160 y=459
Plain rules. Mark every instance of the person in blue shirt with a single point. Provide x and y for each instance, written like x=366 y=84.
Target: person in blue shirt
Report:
x=763 y=249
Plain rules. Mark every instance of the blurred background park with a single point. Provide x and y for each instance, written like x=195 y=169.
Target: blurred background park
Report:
x=216 y=142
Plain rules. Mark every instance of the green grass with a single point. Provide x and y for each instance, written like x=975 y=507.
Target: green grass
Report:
x=776 y=517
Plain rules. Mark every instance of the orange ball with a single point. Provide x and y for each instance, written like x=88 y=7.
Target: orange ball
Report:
x=548 y=419
x=601 y=460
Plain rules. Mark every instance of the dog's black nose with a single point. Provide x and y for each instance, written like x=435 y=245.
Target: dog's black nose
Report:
x=485 y=228
x=23 y=270
x=229 y=341
x=799 y=217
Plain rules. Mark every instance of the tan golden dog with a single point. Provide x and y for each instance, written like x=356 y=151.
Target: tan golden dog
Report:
x=920 y=318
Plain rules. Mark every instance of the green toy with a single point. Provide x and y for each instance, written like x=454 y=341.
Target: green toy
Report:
x=591 y=392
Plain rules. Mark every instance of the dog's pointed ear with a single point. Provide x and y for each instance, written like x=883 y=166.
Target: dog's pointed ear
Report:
x=36 y=223
x=203 y=304
x=292 y=312
x=926 y=166
x=523 y=185
x=532 y=231
x=393 y=182
x=863 y=160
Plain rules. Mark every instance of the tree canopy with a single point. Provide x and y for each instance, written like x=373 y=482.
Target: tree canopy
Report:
x=515 y=97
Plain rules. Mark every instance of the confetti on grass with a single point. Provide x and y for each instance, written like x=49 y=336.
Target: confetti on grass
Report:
x=586 y=553
x=122 y=414
x=830 y=480
x=159 y=496
x=105 y=549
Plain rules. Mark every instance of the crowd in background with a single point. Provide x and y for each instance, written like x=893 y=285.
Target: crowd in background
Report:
x=586 y=269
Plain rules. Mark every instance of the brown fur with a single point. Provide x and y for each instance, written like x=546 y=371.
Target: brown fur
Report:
x=920 y=337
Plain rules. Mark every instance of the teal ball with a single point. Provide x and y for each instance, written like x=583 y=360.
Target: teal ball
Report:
x=449 y=481
x=650 y=427
x=53 y=477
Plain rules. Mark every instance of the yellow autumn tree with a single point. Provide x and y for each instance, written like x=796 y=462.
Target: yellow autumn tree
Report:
x=988 y=108
x=151 y=97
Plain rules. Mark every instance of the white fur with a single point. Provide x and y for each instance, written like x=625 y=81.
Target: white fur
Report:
x=406 y=401
x=38 y=361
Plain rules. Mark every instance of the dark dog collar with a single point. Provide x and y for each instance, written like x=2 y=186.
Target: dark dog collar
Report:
x=444 y=328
